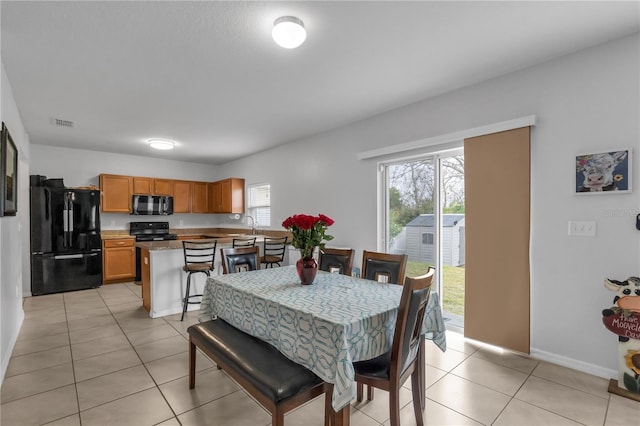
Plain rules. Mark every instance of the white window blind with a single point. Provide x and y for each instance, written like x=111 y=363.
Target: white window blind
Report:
x=259 y=204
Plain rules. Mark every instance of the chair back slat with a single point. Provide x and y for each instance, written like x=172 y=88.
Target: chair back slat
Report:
x=198 y=253
x=240 y=259
x=273 y=250
x=336 y=260
x=244 y=242
x=384 y=267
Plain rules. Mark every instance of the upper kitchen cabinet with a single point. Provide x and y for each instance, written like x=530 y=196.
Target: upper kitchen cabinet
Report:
x=227 y=196
x=142 y=185
x=163 y=187
x=199 y=198
x=182 y=196
x=116 y=193
x=152 y=186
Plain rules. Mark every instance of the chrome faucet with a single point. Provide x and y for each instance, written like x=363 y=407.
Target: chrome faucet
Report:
x=253 y=224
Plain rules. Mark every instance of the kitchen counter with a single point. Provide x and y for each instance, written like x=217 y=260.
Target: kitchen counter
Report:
x=224 y=240
x=113 y=235
x=163 y=280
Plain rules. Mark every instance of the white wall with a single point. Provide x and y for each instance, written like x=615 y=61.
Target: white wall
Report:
x=585 y=102
x=13 y=231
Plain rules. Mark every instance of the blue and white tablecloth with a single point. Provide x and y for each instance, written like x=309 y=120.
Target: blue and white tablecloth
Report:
x=325 y=326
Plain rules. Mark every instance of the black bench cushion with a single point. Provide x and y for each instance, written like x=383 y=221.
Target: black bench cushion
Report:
x=268 y=370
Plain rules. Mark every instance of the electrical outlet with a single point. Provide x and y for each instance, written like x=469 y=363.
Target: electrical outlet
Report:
x=582 y=228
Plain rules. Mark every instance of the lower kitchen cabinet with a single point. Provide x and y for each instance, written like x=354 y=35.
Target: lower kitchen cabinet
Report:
x=119 y=260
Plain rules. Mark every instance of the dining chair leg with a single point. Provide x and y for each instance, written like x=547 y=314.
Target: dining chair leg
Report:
x=394 y=406
x=192 y=365
x=370 y=393
x=186 y=297
x=329 y=417
x=277 y=418
x=360 y=391
x=418 y=401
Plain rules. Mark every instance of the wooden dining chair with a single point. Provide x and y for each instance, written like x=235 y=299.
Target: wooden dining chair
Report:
x=273 y=251
x=390 y=370
x=240 y=259
x=336 y=260
x=384 y=267
x=244 y=242
x=198 y=258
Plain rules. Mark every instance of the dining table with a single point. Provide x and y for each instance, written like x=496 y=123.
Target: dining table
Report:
x=325 y=326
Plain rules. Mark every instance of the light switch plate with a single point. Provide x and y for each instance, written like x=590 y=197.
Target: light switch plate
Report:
x=582 y=228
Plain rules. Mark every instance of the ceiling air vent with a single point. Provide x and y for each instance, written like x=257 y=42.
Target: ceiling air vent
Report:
x=62 y=123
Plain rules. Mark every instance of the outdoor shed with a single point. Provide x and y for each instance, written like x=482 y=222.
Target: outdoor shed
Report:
x=420 y=239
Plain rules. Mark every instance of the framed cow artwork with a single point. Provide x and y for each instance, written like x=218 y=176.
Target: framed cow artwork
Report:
x=606 y=172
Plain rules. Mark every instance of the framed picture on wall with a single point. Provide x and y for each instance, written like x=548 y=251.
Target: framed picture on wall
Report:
x=605 y=172
x=8 y=175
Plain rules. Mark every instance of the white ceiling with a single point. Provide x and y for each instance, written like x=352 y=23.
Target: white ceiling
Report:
x=209 y=76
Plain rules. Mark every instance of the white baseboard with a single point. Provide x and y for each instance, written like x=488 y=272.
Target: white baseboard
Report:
x=172 y=311
x=582 y=366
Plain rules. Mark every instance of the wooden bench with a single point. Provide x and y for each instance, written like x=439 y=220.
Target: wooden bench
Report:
x=278 y=383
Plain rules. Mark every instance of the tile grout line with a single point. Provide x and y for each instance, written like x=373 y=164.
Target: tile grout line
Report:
x=157 y=387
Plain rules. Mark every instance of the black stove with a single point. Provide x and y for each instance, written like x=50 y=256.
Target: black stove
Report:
x=149 y=231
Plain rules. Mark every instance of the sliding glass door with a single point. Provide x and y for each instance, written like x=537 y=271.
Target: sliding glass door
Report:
x=423 y=217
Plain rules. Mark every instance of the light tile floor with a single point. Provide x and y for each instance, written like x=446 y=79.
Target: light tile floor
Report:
x=94 y=357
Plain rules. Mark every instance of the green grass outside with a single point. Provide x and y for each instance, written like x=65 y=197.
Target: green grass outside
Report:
x=453 y=287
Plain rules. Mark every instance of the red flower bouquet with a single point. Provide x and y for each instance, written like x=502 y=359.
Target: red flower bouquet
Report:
x=308 y=232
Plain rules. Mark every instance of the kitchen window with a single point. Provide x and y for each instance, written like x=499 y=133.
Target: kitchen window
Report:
x=259 y=204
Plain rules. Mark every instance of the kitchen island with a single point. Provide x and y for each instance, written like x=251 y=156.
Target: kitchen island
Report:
x=164 y=281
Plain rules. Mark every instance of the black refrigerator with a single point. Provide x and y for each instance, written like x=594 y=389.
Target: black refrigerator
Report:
x=66 y=248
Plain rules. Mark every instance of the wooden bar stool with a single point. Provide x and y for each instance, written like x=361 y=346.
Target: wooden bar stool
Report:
x=198 y=258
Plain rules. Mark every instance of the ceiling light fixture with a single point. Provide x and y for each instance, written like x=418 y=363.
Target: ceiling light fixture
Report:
x=163 y=144
x=289 y=32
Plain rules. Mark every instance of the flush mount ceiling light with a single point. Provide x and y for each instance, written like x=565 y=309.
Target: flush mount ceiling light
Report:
x=163 y=144
x=288 y=32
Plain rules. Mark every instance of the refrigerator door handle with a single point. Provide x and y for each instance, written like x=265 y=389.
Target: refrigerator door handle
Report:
x=47 y=203
x=70 y=220
x=68 y=256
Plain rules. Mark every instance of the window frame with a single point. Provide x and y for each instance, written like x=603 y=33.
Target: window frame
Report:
x=252 y=210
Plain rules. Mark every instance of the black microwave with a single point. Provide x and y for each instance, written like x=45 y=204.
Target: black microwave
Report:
x=152 y=205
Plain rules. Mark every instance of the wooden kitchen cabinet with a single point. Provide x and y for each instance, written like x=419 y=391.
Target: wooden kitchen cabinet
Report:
x=118 y=260
x=163 y=187
x=182 y=196
x=215 y=196
x=227 y=196
x=142 y=185
x=199 y=198
x=152 y=186
x=116 y=193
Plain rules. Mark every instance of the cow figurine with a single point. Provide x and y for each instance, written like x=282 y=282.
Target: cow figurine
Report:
x=627 y=298
x=623 y=319
x=598 y=171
